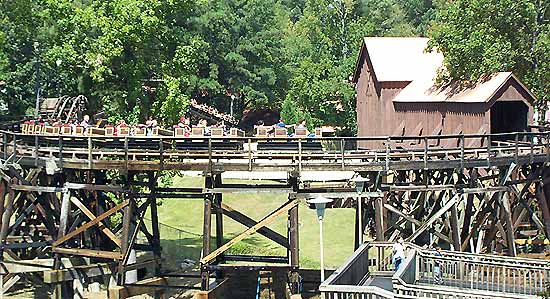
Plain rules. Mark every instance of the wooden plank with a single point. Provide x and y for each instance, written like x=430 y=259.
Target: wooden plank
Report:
x=455 y=229
x=89 y=252
x=90 y=223
x=140 y=287
x=268 y=219
x=10 y=282
x=7 y=215
x=100 y=269
x=68 y=186
x=91 y=216
x=217 y=292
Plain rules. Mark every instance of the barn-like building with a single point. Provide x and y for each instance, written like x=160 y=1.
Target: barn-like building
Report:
x=397 y=94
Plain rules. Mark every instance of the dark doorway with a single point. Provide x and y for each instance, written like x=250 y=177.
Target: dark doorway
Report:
x=509 y=117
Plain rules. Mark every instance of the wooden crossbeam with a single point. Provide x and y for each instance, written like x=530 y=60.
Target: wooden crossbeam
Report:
x=414 y=221
x=249 y=222
x=90 y=215
x=88 y=252
x=436 y=216
x=90 y=223
x=268 y=219
x=68 y=186
x=138 y=288
x=100 y=269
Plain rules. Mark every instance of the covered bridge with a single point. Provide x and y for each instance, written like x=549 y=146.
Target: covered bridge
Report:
x=397 y=94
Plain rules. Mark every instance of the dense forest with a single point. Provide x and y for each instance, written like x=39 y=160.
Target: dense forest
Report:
x=133 y=58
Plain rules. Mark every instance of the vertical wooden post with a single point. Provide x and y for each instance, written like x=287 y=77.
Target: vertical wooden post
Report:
x=294 y=241
x=61 y=289
x=455 y=230
x=155 y=225
x=126 y=231
x=219 y=212
x=543 y=205
x=206 y=231
x=379 y=216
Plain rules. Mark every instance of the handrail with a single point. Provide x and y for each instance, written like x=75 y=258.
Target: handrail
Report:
x=465 y=274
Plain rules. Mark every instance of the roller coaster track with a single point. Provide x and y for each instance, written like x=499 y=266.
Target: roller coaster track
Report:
x=277 y=154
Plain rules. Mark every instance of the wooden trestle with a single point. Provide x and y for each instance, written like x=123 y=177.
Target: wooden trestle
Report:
x=73 y=214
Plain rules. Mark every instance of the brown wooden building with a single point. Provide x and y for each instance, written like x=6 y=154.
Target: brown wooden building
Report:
x=397 y=94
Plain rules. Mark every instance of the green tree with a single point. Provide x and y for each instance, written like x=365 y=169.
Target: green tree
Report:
x=244 y=56
x=480 y=37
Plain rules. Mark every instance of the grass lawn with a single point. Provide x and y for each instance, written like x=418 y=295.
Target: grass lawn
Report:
x=187 y=215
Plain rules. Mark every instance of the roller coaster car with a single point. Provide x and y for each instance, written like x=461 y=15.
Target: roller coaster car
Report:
x=24 y=128
x=92 y=131
x=49 y=130
x=216 y=132
x=262 y=131
x=300 y=132
x=197 y=132
x=38 y=129
x=65 y=130
x=179 y=132
x=123 y=131
x=162 y=132
x=109 y=131
x=79 y=131
x=234 y=132
x=140 y=132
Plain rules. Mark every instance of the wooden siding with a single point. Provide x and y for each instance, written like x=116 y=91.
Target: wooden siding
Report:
x=378 y=115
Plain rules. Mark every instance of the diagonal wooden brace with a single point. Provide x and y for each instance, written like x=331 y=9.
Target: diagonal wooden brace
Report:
x=268 y=219
x=90 y=223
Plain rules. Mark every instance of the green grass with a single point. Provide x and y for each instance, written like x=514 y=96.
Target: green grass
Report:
x=187 y=215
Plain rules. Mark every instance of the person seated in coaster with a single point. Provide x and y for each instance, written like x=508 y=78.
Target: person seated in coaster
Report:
x=85 y=122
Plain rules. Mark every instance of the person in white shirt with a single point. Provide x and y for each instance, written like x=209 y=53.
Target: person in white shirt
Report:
x=398 y=254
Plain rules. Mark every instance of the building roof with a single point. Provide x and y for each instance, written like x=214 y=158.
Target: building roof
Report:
x=405 y=59
x=426 y=90
x=401 y=59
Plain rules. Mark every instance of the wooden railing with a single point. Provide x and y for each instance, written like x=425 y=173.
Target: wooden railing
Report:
x=313 y=153
x=485 y=273
x=368 y=260
x=463 y=275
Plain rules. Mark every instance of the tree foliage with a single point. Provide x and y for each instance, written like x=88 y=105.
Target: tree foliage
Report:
x=134 y=58
x=480 y=37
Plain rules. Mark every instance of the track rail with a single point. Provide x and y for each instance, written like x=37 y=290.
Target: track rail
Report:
x=276 y=154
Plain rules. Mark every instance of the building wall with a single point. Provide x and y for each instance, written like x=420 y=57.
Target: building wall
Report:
x=378 y=115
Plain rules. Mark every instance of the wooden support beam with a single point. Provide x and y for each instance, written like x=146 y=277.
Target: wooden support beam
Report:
x=217 y=292
x=138 y=288
x=414 y=221
x=379 y=216
x=91 y=216
x=293 y=233
x=268 y=219
x=206 y=232
x=100 y=269
x=455 y=229
x=434 y=218
x=545 y=209
x=335 y=195
x=90 y=223
x=88 y=252
x=67 y=187
x=249 y=222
